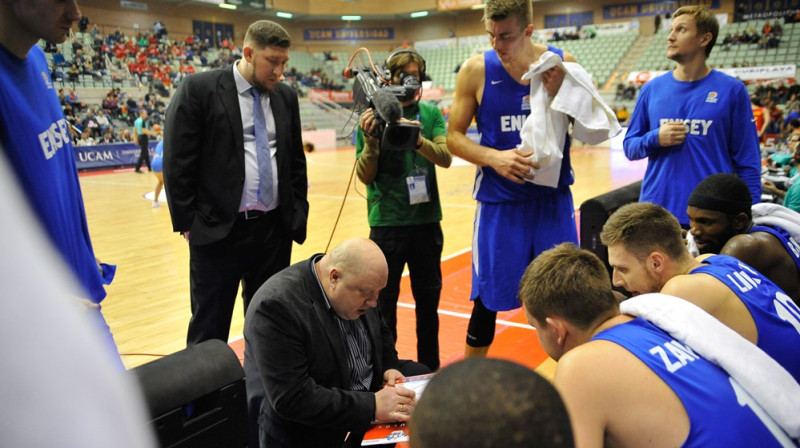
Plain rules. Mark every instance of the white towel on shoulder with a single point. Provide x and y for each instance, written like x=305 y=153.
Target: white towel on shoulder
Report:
x=545 y=129
x=767 y=382
x=767 y=213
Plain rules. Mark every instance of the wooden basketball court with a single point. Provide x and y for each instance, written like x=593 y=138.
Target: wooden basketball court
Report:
x=148 y=303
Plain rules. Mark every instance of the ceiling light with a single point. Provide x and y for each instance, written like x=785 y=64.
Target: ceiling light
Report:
x=351 y=18
x=285 y=15
x=227 y=6
x=414 y=15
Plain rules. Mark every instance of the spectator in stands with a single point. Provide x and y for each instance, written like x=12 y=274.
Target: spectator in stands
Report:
x=761 y=117
x=788 y=190
x=767 y=29
x=86 y=139
x=160 y=31
x=58 y=59
x=607 y=362
x=648 y=254
x=125 y=136
x=74 y=101
x=490 y=403
x=777 y=29
x=721 y=224
x=657 y=23
x=90 y=125
x=83 y=23
x=762 y=41
x=620 y=90
x=630 y=91
x=793 y=108
x=102 y=121
x=672 y=137
x=110 y=105
x=73 y=73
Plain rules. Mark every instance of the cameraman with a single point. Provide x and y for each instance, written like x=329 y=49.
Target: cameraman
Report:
x=403 y=206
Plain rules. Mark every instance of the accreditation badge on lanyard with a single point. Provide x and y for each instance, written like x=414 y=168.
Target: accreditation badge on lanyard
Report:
x=417 y=186
x=417 y=183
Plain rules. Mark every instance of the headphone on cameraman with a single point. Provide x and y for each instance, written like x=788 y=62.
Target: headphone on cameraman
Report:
x=422 y=73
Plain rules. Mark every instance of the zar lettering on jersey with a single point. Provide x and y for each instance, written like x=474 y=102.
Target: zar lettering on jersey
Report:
x=674 y=355
x=512 y=123
x=745 y=279
x=54 y=138
x=693 y=127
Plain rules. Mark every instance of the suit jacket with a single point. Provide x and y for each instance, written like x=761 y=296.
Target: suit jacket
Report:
x=204 y=157
x=300 y=354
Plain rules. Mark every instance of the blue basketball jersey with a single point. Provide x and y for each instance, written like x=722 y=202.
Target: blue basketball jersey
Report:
x=504 y=106
x=776 y=316
x=37 y=142
x=785 y=238
x=711 y=398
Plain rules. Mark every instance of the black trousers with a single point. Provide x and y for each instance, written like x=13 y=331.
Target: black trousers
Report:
x=253 y=251
x=144 y=153
x=421 y=248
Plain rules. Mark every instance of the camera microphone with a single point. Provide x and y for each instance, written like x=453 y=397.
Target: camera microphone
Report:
x=387 y=106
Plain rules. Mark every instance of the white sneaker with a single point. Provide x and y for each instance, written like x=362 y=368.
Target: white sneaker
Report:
x=156 y=204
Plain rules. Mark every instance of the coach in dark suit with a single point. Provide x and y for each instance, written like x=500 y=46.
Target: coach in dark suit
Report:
x=235 y=177
x=318 y=347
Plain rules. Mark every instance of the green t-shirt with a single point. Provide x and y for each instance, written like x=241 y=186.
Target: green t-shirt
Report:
x=388 y=202
x=792 y=198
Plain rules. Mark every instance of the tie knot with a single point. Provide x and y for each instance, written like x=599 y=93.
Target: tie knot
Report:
x=255 y=93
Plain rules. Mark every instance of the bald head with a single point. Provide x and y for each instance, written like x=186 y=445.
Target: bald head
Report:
x=358 y=255
x=353 y=274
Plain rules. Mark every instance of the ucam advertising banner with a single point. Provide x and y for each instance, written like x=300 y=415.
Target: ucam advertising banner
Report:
x=786 y=71
x=108 y=156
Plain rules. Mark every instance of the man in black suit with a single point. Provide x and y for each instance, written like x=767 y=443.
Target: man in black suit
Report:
x=318 y=347
x=236 y=190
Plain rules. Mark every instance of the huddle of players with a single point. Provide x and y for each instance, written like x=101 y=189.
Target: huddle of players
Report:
x=623 y=380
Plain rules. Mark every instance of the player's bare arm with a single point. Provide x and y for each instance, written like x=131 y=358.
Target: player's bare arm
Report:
x=513 y=164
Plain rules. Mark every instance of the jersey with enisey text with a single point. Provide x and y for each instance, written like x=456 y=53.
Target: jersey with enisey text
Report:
x=721 y=137
x=776 y=316
x=721 y=413
x=791 y=246
x=37 y=142
x=504 y=106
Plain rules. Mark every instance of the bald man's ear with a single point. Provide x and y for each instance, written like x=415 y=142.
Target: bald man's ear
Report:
x=334 y=276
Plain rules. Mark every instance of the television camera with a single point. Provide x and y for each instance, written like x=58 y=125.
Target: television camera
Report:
x=373 y=89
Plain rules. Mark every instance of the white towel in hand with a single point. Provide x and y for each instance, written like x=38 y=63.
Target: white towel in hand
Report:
x=769 y=384
x=545 y=129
